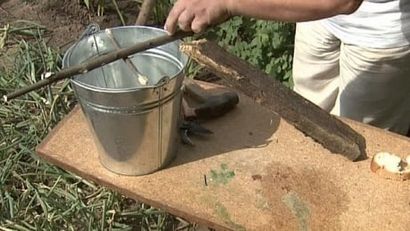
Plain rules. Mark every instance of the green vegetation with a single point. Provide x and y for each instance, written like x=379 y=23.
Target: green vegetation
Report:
x=37 y=196
x=222 y=176
x=267 y=45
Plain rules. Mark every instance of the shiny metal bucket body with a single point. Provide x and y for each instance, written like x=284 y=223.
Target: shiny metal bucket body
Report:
x=135 y=127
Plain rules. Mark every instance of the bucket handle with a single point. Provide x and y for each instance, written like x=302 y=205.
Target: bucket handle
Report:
x=159 y=86
x=89 y=30
x=162 y=81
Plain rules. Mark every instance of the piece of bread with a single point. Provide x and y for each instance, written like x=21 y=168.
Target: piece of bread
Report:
x=391 y=166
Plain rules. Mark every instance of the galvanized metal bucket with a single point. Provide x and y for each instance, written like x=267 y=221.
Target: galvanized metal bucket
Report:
x=135 y=126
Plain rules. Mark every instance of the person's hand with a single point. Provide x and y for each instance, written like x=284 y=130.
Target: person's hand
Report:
x=197 y=15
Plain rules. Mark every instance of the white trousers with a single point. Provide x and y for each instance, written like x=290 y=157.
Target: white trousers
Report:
x=367 y=85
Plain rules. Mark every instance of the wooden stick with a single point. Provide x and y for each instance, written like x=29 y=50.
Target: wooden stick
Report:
x=326 y=129
x=143 y=80
x=98 y=61
x=145 y=12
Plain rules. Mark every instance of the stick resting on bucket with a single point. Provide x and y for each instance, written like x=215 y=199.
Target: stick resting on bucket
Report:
x=98 y=62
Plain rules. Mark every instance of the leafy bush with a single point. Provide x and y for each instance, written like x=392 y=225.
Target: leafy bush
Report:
x=267 y=45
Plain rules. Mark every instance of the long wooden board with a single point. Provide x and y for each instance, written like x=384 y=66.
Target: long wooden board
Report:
x=282 y=180
x=325 y=128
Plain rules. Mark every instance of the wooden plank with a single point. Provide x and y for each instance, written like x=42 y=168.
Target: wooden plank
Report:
x=283 y=180
x=270 y=93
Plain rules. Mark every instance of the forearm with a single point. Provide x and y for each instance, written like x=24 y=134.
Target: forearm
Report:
x=292 y=10
x=196 y=15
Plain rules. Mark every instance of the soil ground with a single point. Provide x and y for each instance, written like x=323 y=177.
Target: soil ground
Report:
x=65 y=20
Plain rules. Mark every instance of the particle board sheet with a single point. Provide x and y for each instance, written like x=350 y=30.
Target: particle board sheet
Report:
x=256 y=172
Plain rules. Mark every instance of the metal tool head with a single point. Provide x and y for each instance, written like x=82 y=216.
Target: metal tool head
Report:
x=189 y=128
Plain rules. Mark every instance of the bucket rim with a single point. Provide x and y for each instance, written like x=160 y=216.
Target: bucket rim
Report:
x=182 y=65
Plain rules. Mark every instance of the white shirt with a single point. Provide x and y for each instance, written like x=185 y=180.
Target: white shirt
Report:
x=375 y=24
